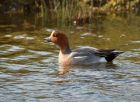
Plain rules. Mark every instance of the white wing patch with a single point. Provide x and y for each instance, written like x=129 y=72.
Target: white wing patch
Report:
x=80 y=57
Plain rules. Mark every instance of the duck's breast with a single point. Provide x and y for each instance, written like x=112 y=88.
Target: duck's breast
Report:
x=64 y=59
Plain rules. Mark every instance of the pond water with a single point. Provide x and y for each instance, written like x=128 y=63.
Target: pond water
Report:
x=29 y=66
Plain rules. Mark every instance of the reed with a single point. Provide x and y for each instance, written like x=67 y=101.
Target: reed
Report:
x=86 y=11
x=71 y=11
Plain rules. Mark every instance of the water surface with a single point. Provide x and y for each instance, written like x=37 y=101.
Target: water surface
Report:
x=29 y=70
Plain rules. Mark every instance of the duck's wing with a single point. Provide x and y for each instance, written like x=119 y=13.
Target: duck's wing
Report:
x=96 y=54
x=85 y=51
x=85 y=55
x=104 y=52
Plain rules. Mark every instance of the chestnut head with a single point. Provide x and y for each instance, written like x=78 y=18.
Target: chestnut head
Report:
x=57 y=38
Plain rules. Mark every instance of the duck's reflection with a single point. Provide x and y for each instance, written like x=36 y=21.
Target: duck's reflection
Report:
x=64 y=69
x=97 y=66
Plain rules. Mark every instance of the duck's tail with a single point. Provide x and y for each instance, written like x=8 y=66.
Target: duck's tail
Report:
x=112 y=55
x=109 y=55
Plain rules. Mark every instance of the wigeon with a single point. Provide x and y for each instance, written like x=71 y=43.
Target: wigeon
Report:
x=80 y=56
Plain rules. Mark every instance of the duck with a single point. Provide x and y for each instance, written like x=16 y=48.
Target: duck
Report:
x=81 y=56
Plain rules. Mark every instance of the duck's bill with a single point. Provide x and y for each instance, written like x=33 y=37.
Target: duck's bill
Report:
x=48 y=39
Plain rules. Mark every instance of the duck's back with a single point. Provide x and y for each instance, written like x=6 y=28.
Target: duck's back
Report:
x=85 y=55
x=90 y=55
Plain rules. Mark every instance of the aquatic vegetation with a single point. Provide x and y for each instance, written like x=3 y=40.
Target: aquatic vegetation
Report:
x=70 y=11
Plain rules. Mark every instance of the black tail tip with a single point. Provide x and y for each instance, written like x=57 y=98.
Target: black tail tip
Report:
x=113 y=55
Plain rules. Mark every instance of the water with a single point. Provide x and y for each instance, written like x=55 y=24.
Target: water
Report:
x=29 y=70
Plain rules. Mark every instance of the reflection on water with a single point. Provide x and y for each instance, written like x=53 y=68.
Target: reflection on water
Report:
x=29 y=71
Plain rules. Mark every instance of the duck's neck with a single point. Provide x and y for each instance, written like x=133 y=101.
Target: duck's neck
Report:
x=65 y=50
x=64 y=46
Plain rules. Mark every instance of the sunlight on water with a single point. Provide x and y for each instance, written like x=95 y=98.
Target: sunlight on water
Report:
x=29 y=70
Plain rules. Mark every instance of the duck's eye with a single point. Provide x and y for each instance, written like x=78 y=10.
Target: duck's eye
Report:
x=54 y=35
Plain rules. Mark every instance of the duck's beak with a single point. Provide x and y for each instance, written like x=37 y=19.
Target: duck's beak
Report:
x=47 y=39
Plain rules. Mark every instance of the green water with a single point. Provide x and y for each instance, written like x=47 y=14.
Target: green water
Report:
x=29 y=66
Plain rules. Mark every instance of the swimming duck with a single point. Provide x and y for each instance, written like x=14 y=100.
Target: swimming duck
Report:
x=79 y=56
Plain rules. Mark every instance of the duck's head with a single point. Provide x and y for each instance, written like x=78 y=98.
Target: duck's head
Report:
x=59 y=39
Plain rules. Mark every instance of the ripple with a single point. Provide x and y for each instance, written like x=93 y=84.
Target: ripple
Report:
x=13 y=66
x=14 y=49
x=6 y=49
x=40 y=52
x=8 y=36
x=137 y=42
x=17 y=72
x=3 y=75
x=131 y=54
x=23 y=57
x=49 y=30
x=138 y=50
x=4 y=59
x=87 y=34
x=23 y=36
